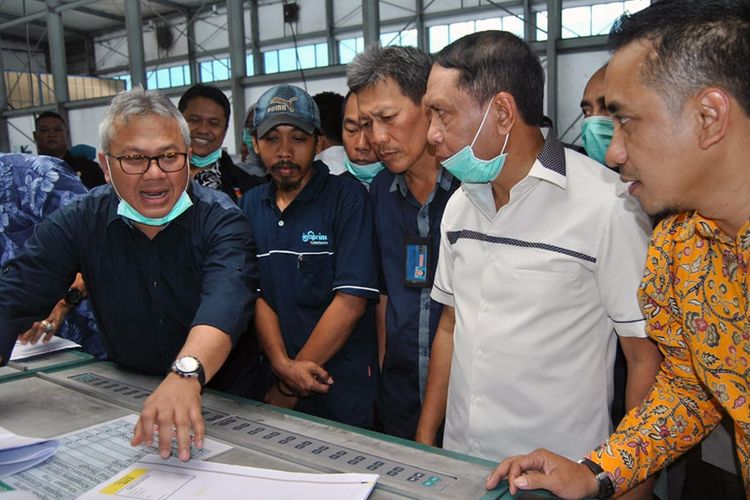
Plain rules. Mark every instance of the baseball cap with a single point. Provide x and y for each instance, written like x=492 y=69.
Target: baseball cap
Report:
x=286 y=105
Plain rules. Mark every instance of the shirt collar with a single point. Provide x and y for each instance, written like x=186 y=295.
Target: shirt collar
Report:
x=550 y=162
x=444 y=181
x=312 y=189
x=549 y=166
x=708 y=229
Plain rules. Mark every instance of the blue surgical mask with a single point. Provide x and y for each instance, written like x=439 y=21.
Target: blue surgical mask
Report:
x=204 y=161
x=125 y=209
x=468 y=168
x=596 y=134
x=247 y=138
x=365 y=173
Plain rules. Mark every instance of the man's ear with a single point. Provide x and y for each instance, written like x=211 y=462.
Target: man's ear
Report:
x=103 y=166
x=255 y=145
x=504 y=112
x=713 y=106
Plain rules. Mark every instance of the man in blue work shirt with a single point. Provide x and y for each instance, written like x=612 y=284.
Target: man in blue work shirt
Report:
x=313 y=233
x=409 y=198
x=160 y=256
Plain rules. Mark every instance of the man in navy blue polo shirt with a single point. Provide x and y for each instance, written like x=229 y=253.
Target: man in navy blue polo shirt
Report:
x=161 y=257
x=313 y=234
x=408 y=202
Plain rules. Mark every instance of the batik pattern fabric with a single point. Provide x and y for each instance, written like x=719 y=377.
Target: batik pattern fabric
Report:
x=694 y=295
x=31 y=187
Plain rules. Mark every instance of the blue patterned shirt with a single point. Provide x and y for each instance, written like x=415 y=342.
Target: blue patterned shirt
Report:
x=32 y=187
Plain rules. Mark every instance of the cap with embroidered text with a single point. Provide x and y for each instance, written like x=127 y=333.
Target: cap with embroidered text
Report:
x=286 y=105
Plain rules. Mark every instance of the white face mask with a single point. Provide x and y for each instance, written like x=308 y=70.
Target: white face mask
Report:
x=466 y=167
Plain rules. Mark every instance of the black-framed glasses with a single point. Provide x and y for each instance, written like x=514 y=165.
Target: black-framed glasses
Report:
x=171 y=161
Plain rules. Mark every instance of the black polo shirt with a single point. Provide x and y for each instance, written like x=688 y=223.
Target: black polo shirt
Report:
x=147 y=294
x=322 y=243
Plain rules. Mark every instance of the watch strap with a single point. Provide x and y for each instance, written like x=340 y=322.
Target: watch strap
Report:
x=606 y=485
x=73 y=297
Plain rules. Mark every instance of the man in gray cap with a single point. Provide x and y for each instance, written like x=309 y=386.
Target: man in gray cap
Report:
x=313 y=233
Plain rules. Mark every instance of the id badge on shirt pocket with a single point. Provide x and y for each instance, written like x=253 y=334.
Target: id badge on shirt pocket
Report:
x=417 y=260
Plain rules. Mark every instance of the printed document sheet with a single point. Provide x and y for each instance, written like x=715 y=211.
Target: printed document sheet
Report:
x=89 y=456
x=18 y=453
x=21 y=352
x=156 y=479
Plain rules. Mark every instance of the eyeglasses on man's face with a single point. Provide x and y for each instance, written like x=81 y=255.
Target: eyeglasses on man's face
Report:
x=135 y=164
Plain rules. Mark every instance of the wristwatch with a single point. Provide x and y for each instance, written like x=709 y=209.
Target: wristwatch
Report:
x=189 y=367
x=606 y=485
x=73 y=297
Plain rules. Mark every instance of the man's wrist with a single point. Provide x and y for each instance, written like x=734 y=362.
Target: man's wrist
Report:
x=602 y=485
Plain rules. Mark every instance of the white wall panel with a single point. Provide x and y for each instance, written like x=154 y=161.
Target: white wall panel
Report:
x=20 y=134
x=271 y=21
x=395 y=10
x=179 y=45
x=211 y=32
x=347 y=13
x=84 y=125
x=312 y=17
x=111 y=51
x=574 y=71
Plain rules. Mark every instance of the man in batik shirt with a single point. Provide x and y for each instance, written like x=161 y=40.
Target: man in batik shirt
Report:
x=679 y=90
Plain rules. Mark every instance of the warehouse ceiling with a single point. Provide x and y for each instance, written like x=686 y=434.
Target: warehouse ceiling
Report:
x=83 y=18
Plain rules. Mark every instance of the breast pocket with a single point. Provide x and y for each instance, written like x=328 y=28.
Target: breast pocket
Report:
x=314 y=280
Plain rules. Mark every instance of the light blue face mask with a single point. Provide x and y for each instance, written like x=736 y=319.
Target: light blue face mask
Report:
x=125 y=209
x=204 y=161
x=596 y=134
x=365 y=173
x=468 y=168
x=247 y=138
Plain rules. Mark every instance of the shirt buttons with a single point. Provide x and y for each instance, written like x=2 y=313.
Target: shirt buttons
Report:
x=156 y=284
x=281 y=223
x=485 y=307
x=475 y=445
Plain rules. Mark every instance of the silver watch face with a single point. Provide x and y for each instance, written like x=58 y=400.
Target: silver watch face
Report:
x=187 y=364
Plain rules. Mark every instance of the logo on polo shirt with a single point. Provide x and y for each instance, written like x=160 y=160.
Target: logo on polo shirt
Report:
x=314 y=238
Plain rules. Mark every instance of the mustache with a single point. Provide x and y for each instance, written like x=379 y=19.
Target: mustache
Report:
x=285 y=164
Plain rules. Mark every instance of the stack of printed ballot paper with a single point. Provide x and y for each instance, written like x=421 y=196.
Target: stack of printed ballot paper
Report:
x=18 y=453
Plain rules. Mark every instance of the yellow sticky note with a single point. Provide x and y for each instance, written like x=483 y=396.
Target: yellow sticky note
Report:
x=123 y=481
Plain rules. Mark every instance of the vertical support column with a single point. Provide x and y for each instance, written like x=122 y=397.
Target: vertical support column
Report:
x=333 y=48
x=421 y=34
x=371 y=21
x=258 y=64
x=236 y=22
x=192 y=63
x=133 y=26
x=58 y=63
x=554 y=28
x=4 y=136
x=529 y=22
x=90 y=55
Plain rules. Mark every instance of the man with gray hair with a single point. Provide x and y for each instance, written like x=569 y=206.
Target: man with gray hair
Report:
x=409 y=197
x=159 y=255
